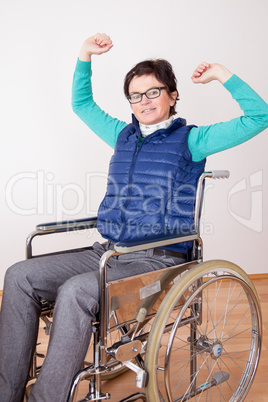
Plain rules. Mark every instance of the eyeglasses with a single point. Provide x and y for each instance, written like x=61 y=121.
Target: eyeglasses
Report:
x=151 y=93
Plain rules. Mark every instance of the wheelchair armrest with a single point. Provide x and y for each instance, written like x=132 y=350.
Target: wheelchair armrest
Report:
x=58 y=227
x=65 y=226
x=154 y=242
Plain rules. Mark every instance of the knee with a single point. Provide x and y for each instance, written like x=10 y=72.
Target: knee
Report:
x=80 y=292
x=15 y=274
x=67 y=291
x=83 y=284
x=17 y=284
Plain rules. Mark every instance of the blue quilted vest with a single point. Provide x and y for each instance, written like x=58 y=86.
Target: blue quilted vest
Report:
x=151 y=185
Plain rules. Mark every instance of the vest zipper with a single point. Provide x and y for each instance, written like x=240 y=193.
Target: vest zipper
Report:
x=123 y=215
x=139 y=146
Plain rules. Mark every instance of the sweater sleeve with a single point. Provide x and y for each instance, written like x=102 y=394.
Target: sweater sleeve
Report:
x=207 y=140
x=83 y=104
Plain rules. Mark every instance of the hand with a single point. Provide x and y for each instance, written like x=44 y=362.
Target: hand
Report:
x=206 y=72
x=97 y=44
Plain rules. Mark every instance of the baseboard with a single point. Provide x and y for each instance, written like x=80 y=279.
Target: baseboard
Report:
x=258 y=276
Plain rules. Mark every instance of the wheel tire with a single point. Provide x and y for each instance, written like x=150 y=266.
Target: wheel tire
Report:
x=232 y=351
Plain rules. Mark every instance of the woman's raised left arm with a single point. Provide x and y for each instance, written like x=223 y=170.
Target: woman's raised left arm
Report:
x=206 y=140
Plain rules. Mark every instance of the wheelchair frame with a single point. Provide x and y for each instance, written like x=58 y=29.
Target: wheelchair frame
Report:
x=130 y=348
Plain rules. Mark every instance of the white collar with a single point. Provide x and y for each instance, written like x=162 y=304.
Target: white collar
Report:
x=146 y=129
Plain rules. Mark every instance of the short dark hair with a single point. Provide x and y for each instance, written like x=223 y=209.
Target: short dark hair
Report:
x=163 y=72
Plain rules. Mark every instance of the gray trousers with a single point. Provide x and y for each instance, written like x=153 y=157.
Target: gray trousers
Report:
x=72 y=281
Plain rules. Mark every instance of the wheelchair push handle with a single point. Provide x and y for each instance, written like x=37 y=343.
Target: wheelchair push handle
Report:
x=220 y=174
x=213 y=174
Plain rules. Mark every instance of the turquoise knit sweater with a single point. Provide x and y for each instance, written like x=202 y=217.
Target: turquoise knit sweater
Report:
x=203 y=141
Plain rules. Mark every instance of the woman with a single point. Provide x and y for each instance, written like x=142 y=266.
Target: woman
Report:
x=150 y=192
x=163 y=165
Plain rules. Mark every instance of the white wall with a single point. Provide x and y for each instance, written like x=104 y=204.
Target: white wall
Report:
x=50 y=160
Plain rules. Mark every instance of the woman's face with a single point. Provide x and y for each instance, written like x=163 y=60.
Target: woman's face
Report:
x=151 y=111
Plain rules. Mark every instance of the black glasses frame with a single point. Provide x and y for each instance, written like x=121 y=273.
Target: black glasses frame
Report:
x=145 y=93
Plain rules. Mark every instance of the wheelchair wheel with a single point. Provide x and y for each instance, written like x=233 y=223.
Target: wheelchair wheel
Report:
x=206 y=338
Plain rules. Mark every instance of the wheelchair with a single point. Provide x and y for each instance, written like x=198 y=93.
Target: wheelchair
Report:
x=189 y=332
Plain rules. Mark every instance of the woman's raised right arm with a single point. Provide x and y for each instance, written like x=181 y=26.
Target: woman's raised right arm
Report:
x=83 y=104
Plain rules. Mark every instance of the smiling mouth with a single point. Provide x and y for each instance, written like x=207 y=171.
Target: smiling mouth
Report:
x=148 y=110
